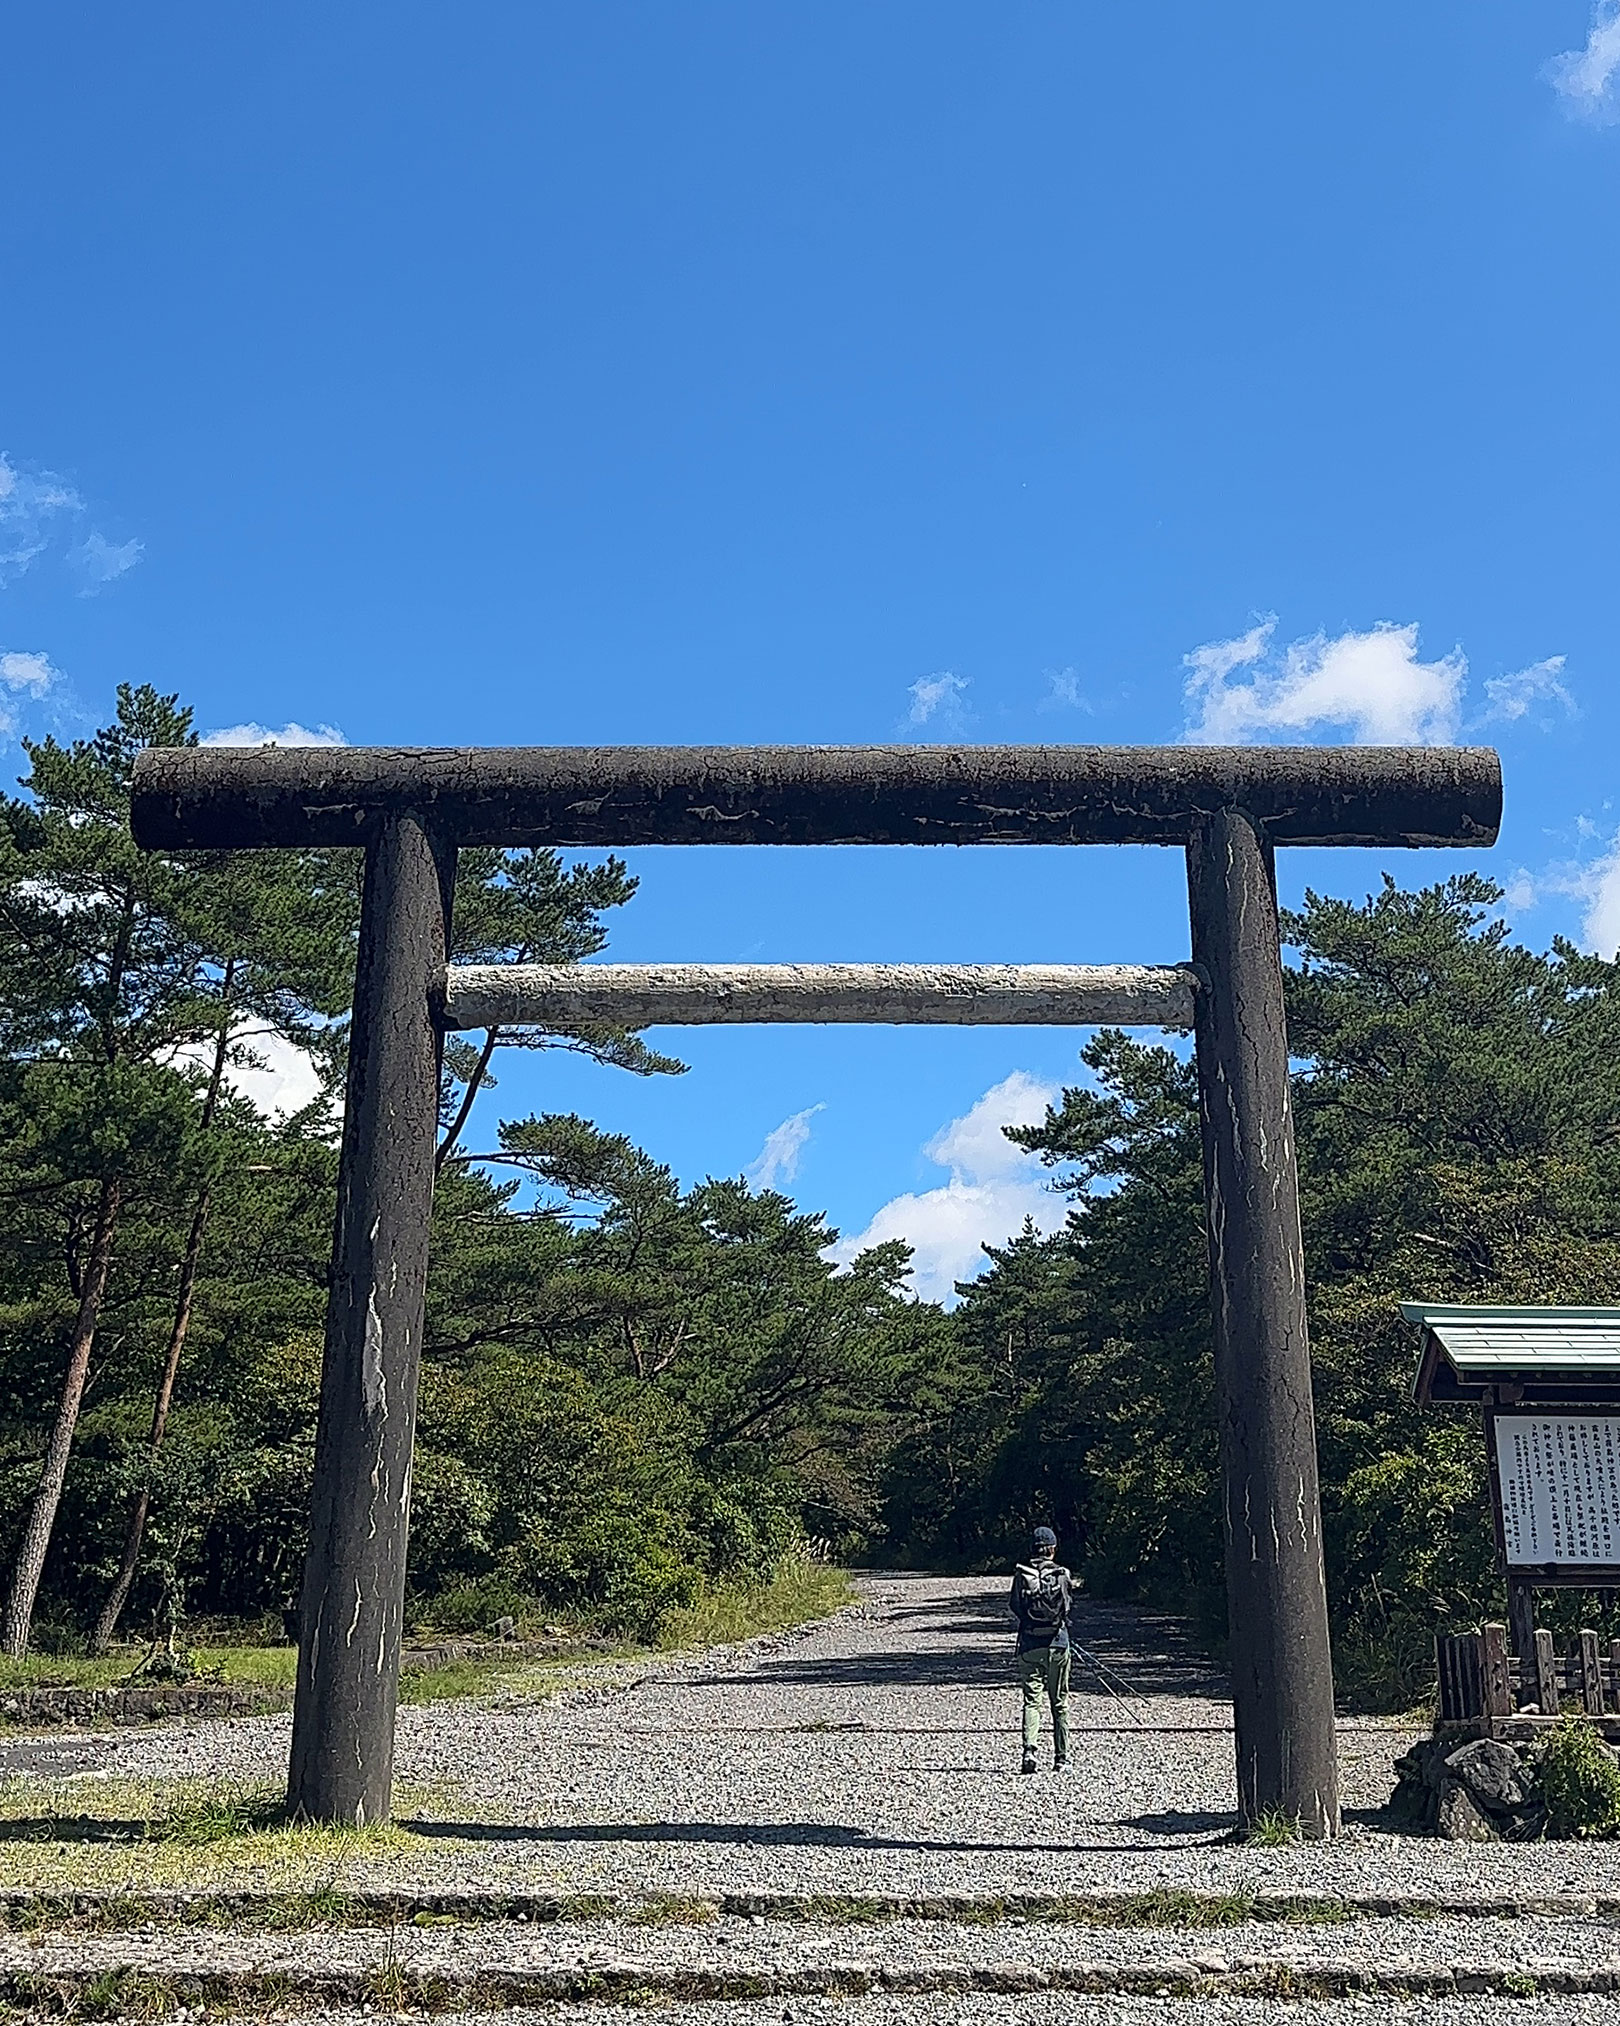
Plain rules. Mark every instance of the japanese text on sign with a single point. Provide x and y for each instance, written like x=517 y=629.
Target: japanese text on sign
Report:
x=1560 y=1484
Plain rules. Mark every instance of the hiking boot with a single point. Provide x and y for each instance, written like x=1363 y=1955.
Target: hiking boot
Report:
x=1029 y=1760
x=1060 y=1765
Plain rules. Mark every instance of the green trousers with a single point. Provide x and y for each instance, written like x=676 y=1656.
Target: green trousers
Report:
x=1043 y=1671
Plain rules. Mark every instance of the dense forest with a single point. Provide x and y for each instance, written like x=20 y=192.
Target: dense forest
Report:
x=633 y=1391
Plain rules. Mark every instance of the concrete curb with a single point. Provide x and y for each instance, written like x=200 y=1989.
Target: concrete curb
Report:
x=120 y=1990
x=31 y=1911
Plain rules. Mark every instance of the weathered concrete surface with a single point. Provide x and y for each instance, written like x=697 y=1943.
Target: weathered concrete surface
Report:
x=950 y=995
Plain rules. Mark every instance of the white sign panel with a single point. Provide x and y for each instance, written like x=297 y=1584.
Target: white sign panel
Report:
x=1560 y=1479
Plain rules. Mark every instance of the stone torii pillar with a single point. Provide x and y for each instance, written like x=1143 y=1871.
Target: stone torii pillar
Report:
x=1228 y=808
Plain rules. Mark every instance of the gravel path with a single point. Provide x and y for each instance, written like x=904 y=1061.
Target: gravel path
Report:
x=875 y=1754
x=1065 y=2009
x=870 y=1758
x=783 y=1952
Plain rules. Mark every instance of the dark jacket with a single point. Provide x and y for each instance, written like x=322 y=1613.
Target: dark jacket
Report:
x=1026 y=1581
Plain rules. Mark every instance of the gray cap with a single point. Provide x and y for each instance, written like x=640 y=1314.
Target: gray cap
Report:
x=1045 y=1538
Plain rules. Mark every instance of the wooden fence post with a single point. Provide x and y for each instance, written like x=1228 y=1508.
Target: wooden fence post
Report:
x=1521 y=1600
x=1591 y=1668
x=1281 y=1664
x=1546 y=1675
x=1496 y=1698
x=354 y=1577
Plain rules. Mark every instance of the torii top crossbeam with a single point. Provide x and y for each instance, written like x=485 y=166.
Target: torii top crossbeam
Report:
x=211 y=798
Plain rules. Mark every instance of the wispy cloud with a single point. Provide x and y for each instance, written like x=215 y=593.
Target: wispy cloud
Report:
x=32 y=504
x=267 y=735
x=1586 y=78
x=940 y=700
x=1511 y=697
x=97 y=562
x=993 y=1187
x=30 y=675
x=1063 y=692
x=779 y=1157
x=37 y=508
x=1371 y=685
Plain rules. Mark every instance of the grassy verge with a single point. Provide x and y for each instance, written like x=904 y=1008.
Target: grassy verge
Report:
x=797 y=1593
x=91 y=1832
x=730 y=1612
x=236 y=1666
x=127 y=1835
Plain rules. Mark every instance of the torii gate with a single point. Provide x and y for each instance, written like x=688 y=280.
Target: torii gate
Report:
x=410 y=809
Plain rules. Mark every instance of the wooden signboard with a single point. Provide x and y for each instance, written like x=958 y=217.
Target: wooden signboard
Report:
x=1555 y=1484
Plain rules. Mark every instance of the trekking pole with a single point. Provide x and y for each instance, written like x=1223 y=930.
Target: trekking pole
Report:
x=1106 y=1678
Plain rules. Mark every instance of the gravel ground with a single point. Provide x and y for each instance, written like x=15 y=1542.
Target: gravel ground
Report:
x=1064 y=2009
x=779 y=1951
x=875 y=1754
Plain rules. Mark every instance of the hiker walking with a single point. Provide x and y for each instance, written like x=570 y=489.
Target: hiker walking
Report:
x=1040 y=1599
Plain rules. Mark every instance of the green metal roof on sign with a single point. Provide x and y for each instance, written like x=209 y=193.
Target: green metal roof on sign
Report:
x=1472 y=1352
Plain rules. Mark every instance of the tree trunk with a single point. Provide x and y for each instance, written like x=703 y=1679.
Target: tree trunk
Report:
x=42 y=1516
x=135 y=1532
x=118 y=1596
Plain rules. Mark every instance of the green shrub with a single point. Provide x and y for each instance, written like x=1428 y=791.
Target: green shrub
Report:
x=1580 y=1782
x=474 y=1607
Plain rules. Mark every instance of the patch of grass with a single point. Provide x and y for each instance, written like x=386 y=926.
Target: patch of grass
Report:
x=250 y=1666
x=799 y=1592
x=673 y=1909
x=1273 y=1830
x=235 y=1666
x=129 y=1836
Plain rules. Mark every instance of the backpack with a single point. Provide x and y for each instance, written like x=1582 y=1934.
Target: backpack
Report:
x=1042 y=1596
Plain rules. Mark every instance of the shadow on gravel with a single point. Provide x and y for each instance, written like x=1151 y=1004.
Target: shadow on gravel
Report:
x=826 y=1835
x=970 y=1645
x=72 y=1829
x=1182 y=1821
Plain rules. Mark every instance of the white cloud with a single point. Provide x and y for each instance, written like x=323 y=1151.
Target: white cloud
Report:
x=276 y=1077
x=1585 y=77
x=1063 y=692
x=939 y=696
x=993 y=1187
x=1511 y=697
x=779 y=1157
x=1593 y=882
x=1371 y=685
x=37 y=506
x=1520 y=893
x=99 y=561
x=23 y=675
x=265 y=735
x=30 y=504
x=1600 y=888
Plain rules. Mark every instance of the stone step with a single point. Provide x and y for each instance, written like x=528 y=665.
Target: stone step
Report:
x=504 y=1963
x=353 y=1906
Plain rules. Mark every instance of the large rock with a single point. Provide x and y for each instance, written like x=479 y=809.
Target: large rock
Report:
x=1492 y=1772
x=1460 y=1819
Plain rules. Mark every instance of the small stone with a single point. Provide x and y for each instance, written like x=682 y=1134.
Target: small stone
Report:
x=1459 y=1818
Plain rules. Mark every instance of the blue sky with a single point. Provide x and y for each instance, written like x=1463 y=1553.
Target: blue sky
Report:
x=531 y=373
